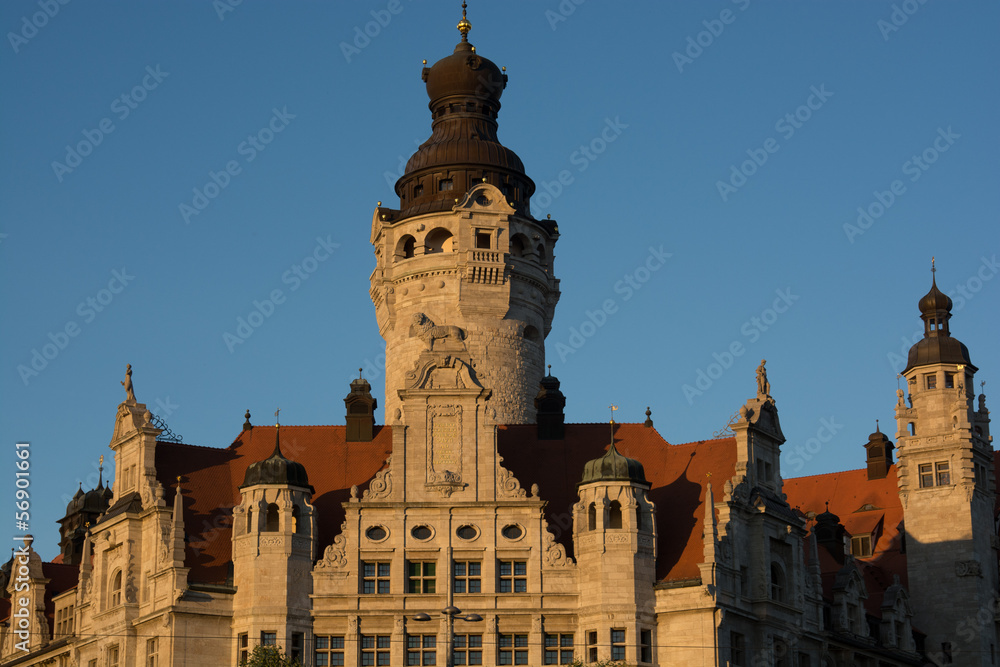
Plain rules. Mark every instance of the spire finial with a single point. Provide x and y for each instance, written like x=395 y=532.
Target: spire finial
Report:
x=876 y=427
x=933 y=271
x=361 y=372
x=649 y=420
x=246 y=424
x=276 y=420
x=550 y=370
x=100 y=472
x=613 y=408
x=464 y=26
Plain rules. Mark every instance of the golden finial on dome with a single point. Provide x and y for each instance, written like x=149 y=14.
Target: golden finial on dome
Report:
x=464 y=26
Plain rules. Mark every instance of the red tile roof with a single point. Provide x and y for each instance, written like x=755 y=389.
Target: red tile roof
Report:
x=677 y=475
x=210 y=479
x=848 y=492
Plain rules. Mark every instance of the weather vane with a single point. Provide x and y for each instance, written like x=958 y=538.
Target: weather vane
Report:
x=276 y=420
x=613 y=408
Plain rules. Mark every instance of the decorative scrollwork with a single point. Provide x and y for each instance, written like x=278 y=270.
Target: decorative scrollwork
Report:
x=335 y=556
x=167 y=435
x=381 y=486
x=507 y=484
x=727 y=430
x=555 y=553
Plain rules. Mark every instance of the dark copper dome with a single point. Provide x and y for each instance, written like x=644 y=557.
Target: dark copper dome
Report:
x=613 y=467
x=937 y=346
x=276 y=469
x=463 y=149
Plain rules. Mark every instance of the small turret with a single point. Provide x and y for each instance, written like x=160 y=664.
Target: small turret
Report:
x=879 y=454
x=550 y=405
x=360 y=411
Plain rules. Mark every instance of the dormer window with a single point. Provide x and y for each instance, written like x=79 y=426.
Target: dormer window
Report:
x=446 y=184
x=861 y=546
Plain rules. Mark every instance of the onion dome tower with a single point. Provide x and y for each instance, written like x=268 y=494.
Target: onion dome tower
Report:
x=274 y=529
x=462 y=257
x=615 y=546
x=82 y=509
x=946 y=484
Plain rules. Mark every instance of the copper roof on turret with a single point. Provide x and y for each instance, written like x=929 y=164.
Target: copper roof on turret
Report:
x=463 y=149
x=276 y=469
x=937 y=346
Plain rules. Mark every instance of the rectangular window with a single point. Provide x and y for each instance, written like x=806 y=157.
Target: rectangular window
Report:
x=375 y=578
x=329 y=651
x=445 y=184
x=558 y=649
x=512 y=649
x=296 y=654
x=861 y=546
x=617 y=644
x=468 y=649
x=946 y=651
x=92 y=663
x=483 y=240
x=421 y=649
x=151 y=652
x=645 y=646
x=421 y=577
x=805 y=660
x=926 y=475
x=242 y=648
x=930 y=381
x=942 y=473
x=268 y=638
x=113 y=656
x=468 y=576
x=737 y=649
x=592 y=646
x=949 y=380
x=513 y=576
x=375 y=650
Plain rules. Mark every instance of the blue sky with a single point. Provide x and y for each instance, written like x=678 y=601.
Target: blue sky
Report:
x=738 y=137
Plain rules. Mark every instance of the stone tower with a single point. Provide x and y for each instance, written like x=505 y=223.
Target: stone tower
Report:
x=462 y=257
x=613 y=530
x=946 y=485
x=274 y=530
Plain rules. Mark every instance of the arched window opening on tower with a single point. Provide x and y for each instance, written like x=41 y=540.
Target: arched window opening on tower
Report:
x=406 y=247
x=439 y=240
x=518 y=245
x=531 y=333
x=249 y=521
x=271 y=522
x=116 y=588
x=615 y=514
x=912 y=427
x=296 y=521
x=592 y=517
x=542 y=257
x=640 y=518
x=777 y=582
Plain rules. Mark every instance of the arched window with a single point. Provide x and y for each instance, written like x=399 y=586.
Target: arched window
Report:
x=271 y=523
x=298 y=525
x=777 y=583
x=518 y=245
x=439 y=240
x=541 y=254
x=531 y=333
x=116 y=588
x=615 y=514
x=249 y=520
x=592 y=517
x=406 y=246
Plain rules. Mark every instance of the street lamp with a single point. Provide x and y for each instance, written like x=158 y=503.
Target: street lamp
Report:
x=450 y=612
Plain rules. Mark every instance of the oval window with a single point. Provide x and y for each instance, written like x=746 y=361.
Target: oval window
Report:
x=422 y=532
x=376 y=533
x=467 y=532
x=512 y=532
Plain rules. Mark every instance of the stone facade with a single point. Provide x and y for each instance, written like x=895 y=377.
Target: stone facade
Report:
x=484 y=538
